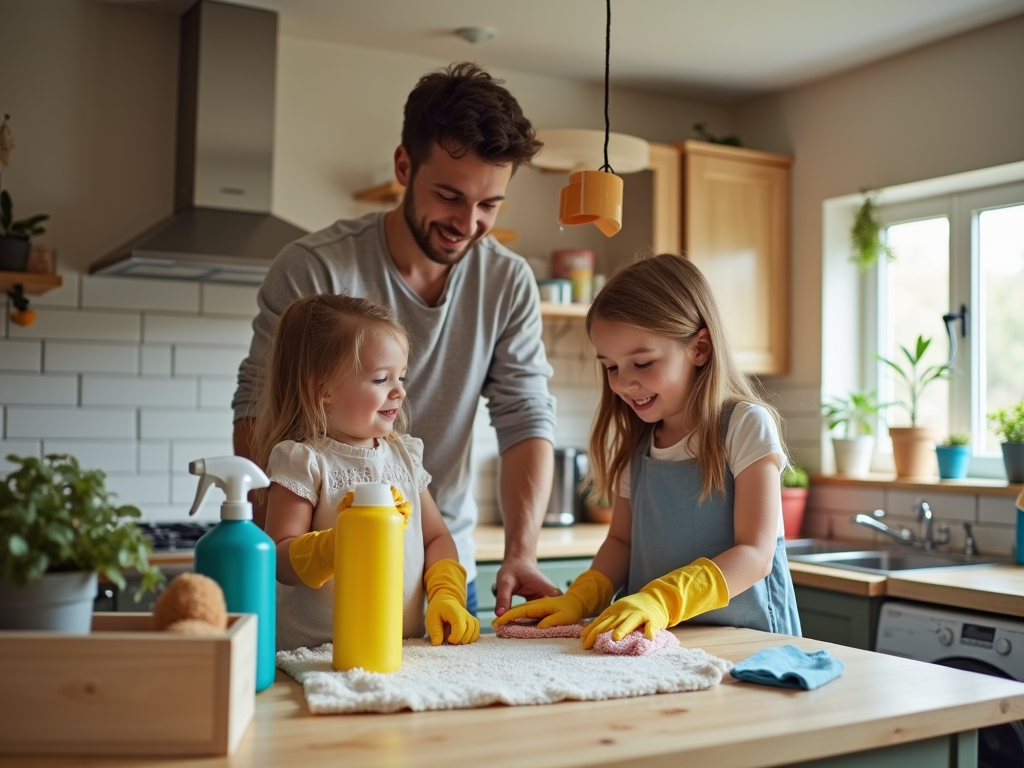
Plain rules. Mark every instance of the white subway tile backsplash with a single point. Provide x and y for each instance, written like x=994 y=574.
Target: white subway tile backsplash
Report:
x=84 y=357
x=33 y=389
x=110 y=456
x=170 y=513
x=196 y=330
x=154 y=457
x=997 y=509
x=845 y=498
x=88 y=423
x=182 y=424
x=946 y=506
x=21 y=356
x=17 y=448
x=229 y=300
x=84 y=326
x=801 y=428
x=139 y=490
x=185 y=451
x=990 y=539
x=65 y=296
x=148 y=391
x=139 y=293
x=208 y=361
x=216 y=393
x=156 y=360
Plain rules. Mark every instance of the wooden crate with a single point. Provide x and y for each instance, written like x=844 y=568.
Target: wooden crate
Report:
x=127 y=690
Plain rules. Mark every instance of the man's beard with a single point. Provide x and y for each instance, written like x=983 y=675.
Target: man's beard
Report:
x=421 y=234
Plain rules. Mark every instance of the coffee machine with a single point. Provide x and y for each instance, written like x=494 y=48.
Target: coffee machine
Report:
x=565 y=506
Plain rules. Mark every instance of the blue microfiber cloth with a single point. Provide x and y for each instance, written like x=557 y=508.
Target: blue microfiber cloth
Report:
x=789 y=667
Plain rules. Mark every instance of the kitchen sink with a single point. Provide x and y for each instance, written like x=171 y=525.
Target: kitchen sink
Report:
x=818 y=546
x=890 y=560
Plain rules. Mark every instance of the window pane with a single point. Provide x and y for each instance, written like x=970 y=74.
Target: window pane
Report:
x=918 y=297
x=1001 y=265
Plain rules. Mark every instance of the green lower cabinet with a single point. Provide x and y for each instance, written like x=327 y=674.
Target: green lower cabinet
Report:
x=560 y=572
x=958 y=750
x=838 y=618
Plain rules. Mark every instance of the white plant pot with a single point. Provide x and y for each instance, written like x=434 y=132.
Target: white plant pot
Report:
x=853 y=455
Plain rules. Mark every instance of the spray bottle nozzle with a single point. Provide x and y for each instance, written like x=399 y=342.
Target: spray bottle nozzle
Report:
x=234 y=475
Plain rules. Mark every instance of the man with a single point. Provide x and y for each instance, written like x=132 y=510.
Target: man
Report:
x=470 y=307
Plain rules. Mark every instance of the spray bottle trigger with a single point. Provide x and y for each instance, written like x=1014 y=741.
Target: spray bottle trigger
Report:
x=205 y=483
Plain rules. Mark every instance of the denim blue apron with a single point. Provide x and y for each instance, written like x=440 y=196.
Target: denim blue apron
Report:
x=671 y=529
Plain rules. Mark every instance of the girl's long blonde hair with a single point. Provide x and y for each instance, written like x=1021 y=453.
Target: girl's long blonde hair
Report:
x=667 y=296
x=318 y=341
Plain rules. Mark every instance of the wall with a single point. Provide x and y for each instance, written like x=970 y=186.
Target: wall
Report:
x=134 y=376
x=953 y=106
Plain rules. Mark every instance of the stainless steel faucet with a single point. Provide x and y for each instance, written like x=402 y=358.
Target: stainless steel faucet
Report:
x=970 y=547
x=906 y=536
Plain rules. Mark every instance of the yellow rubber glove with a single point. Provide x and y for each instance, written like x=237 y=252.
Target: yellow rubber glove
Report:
x=590 y=593
x=445 y=581
x=312 y=554
x=688 y=591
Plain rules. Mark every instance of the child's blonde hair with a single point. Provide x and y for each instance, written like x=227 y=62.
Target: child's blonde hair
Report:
x=318 y=341
x=667 y=296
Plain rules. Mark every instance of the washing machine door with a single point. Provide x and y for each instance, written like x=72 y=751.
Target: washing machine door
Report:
x=999 y=746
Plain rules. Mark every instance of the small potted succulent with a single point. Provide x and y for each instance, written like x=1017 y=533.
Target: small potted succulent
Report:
x=849 y=420
x=913 y=447
x=954 y=455
x=795 y=484
x=15 y=235
x=60 y=528
x=1010 y=425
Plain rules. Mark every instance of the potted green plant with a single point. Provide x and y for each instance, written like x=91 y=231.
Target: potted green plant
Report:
x=15 y=235
x=60 y=528
x=849 y=419
x=795 y=485
x=913 y=447
x=866 y=236
x=954 y=455
x=1010 y=425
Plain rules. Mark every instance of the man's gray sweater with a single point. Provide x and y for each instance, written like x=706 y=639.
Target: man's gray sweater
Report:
x=482 y=338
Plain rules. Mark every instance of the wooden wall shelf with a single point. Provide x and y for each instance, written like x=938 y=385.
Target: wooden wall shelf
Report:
x=33 y=283
x=388 y=193
x=554 y=311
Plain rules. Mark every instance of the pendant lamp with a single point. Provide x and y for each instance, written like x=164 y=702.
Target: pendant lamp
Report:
x=593 y=197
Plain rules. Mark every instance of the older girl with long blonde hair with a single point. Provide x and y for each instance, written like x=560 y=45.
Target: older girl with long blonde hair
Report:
x=692 y=456
x=331 y=417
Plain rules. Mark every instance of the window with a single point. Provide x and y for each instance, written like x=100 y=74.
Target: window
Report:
x=962 y=250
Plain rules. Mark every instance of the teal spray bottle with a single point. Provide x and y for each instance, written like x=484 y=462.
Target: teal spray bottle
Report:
x=237 y=554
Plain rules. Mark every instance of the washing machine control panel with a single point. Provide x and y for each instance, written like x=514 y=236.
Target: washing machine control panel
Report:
x=933 y=634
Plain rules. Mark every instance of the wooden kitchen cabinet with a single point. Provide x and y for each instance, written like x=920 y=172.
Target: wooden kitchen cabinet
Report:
x=736 y=230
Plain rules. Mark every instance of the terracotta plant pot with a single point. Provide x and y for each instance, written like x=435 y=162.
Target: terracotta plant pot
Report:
x=913 y=451
x=853 y=455
x=794 y=504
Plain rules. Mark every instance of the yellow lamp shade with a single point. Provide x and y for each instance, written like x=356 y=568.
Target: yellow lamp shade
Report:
x=593 y=197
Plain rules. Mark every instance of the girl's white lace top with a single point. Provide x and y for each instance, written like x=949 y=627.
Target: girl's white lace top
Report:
x=323 y=473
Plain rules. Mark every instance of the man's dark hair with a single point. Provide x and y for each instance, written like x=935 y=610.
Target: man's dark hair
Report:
x=463 y=109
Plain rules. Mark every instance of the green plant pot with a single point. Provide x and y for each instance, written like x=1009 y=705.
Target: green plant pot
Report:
x=14 y=253
x=1013 y=460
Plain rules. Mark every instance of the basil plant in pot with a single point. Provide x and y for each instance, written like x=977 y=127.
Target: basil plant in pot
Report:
x=59 y=528
x=1010 y=426
x=913 y=447
x=849 y=420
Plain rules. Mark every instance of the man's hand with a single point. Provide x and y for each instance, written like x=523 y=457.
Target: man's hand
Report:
x=521 y=577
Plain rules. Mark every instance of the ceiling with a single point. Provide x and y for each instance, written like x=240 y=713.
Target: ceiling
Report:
x=715 y=50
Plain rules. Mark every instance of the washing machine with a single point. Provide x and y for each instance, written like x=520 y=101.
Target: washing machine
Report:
x=976 y=642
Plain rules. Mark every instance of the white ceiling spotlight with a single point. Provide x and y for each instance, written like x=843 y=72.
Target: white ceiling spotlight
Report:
x=476 y=34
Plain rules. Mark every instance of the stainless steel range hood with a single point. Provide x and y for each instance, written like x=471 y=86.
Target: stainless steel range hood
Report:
x=222 y=229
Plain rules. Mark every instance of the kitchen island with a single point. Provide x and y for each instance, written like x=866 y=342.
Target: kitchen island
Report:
x=895 y=711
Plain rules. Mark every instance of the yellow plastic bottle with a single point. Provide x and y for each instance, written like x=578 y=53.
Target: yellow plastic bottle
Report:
x=368 y=557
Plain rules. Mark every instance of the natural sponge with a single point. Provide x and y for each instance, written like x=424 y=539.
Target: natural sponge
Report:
x=188 y=602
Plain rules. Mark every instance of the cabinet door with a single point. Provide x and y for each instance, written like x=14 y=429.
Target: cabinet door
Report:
x=736 y=229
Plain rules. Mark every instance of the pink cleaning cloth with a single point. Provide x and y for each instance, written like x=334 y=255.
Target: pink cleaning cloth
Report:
x=633 y=644
x=526 y=629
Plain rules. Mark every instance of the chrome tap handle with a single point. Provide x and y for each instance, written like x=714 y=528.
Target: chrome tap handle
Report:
x=970 y=546
x=924 y=514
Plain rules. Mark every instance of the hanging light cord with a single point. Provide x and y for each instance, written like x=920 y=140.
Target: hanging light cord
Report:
x=607 y=53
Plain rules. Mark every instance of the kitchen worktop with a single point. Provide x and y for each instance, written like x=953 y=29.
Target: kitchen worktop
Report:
x=879 y=701
x=995 y=588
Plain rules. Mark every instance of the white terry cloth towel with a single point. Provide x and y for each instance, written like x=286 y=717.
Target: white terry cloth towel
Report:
x=496 y=671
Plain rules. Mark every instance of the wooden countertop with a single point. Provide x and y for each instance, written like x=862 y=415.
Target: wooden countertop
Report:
x=837 y=579
x=579 y=540
x=992 y=588
x=878 y=701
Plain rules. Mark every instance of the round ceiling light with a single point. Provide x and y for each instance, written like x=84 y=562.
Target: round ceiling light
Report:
x=475 y=34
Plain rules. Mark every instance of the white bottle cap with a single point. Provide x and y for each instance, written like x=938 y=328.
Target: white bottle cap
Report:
x=373 y=495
